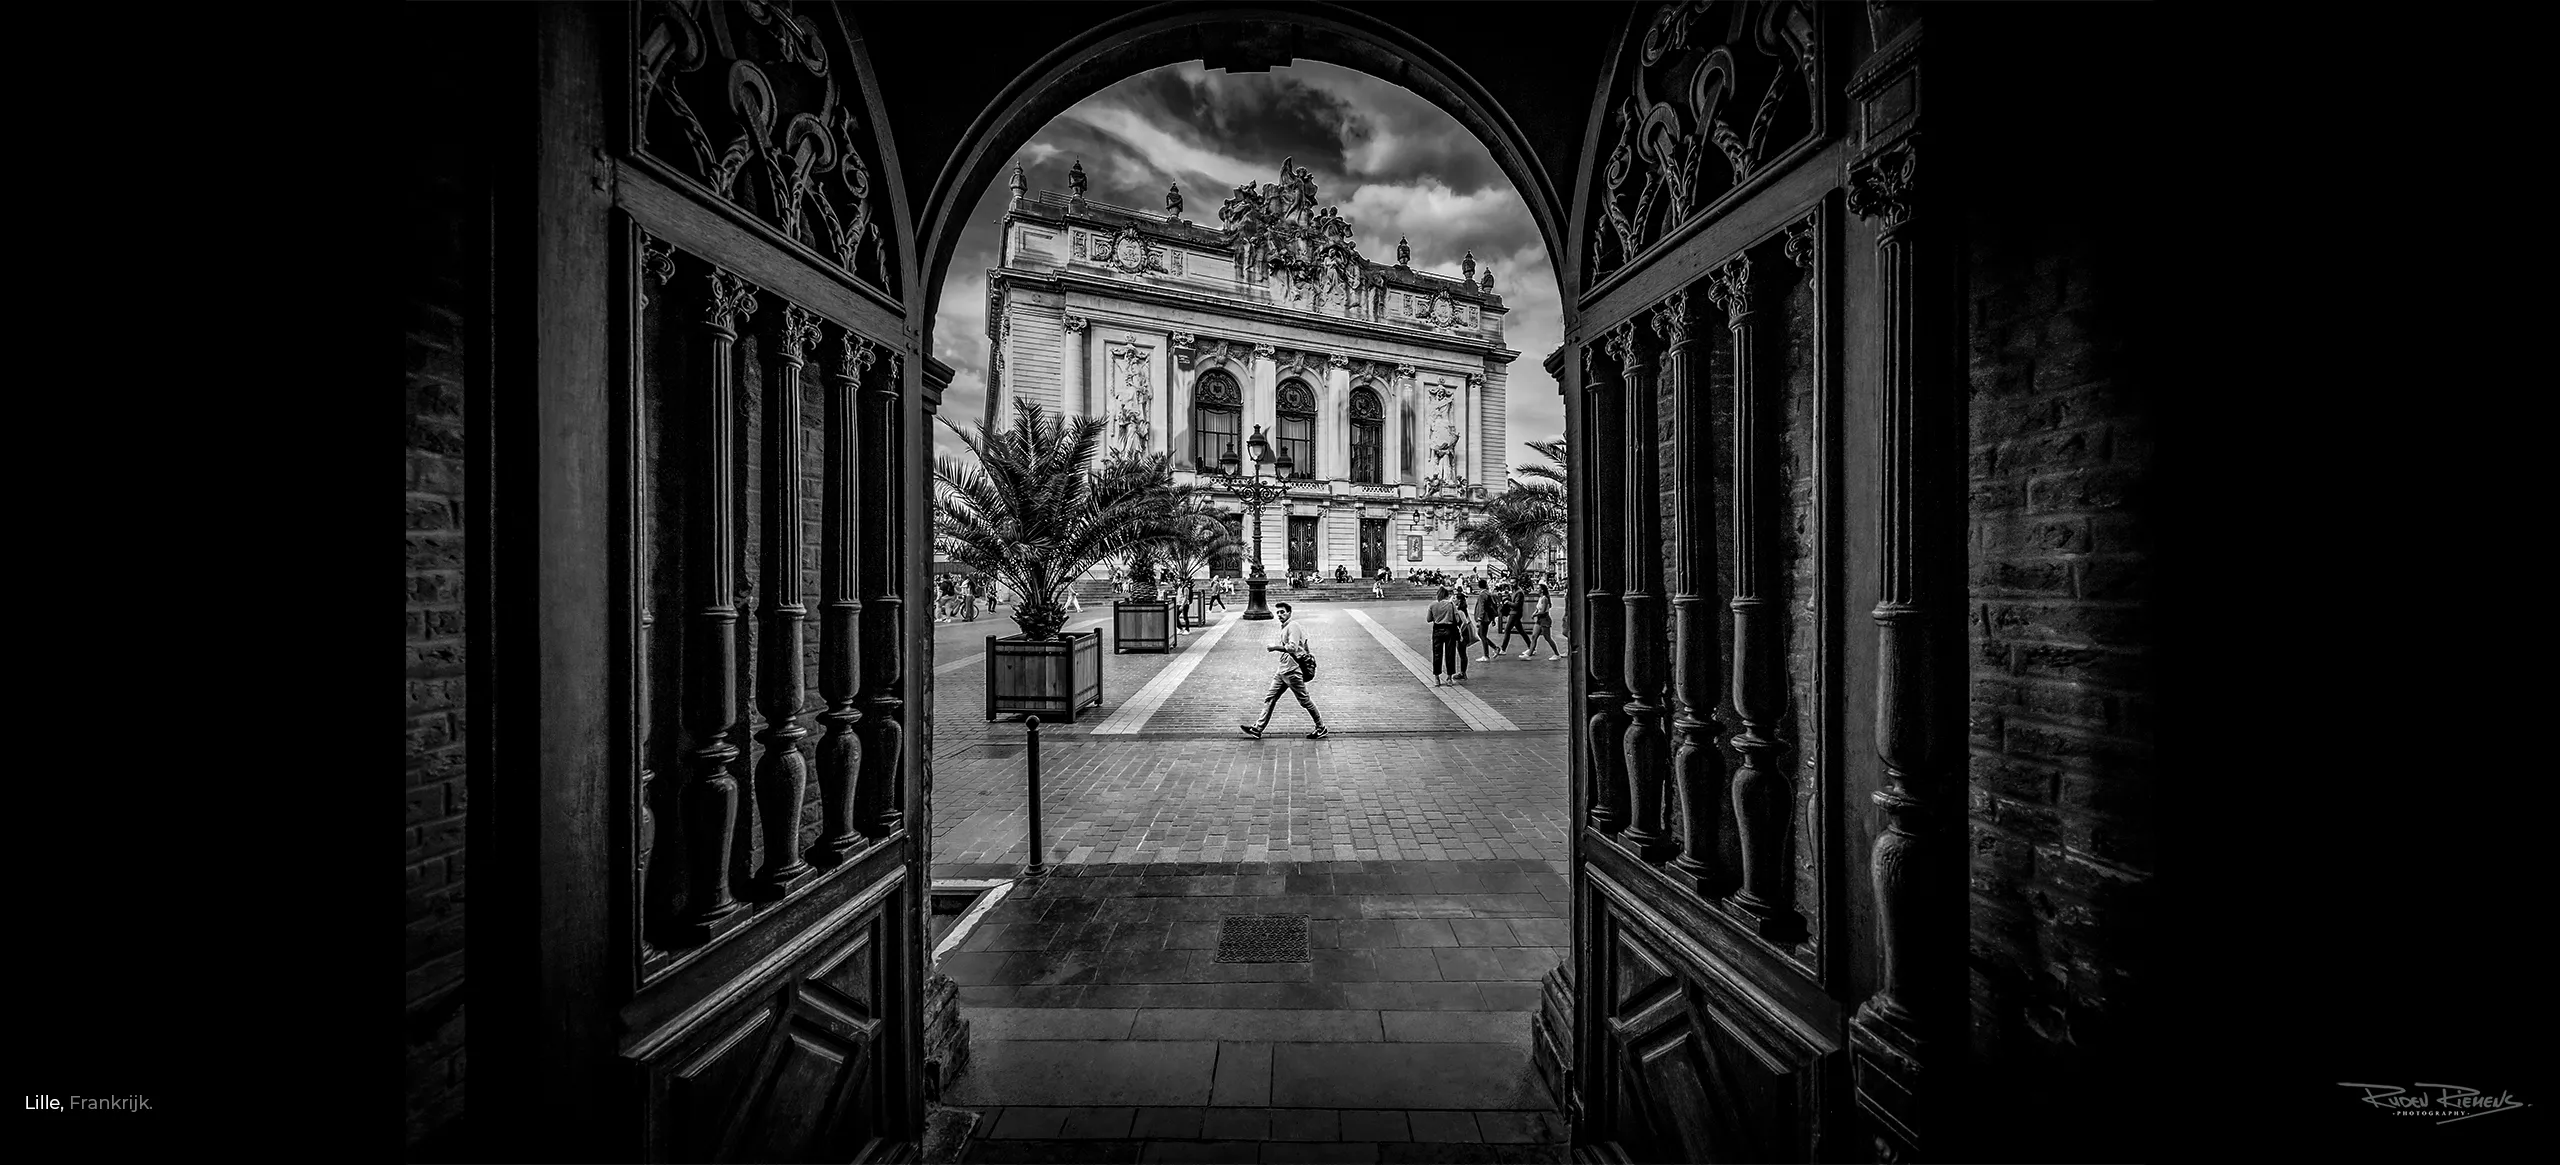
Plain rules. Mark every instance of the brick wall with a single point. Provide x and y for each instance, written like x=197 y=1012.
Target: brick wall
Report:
x=2060 y=795
x=433 y=778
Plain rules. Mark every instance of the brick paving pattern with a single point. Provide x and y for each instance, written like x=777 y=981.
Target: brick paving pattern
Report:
x=1403 y=776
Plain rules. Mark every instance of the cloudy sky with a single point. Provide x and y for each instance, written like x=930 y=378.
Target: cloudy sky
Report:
x=1393 y=162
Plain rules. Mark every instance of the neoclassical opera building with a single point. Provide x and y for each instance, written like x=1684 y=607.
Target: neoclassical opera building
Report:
x=1380 y=387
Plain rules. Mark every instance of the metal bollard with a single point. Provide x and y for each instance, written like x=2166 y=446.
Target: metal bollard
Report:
x=1039 y=848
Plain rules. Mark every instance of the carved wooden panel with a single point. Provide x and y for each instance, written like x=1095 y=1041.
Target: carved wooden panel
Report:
x=1708 y=97
x=1696 y=1063
x=760 y=106
x=793 y=1070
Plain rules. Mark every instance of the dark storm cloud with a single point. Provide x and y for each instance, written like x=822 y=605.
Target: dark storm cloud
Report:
x=1395 y=164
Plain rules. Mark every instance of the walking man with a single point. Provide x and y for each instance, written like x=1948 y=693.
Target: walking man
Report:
x=1443 y=618
x=1509 y=615
x=1544 y=606
x=1292 y=676
x=1484 y=620
x=1218 y=593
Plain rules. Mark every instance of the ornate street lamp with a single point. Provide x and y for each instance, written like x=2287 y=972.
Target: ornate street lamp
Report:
x=1255 y=491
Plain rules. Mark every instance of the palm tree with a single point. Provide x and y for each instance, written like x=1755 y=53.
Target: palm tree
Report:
x=1519 y=527
x=1552 y=451
x=1034 y=512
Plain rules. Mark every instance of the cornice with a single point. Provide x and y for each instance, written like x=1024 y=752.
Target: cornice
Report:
x=1061 y=282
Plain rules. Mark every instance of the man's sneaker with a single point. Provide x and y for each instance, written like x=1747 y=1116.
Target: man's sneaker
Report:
x=1524 y=653
x=1320 y=733
x=1251 y=730
x=1555 y=657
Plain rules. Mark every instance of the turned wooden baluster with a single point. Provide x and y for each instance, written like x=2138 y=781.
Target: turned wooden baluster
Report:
x=1642 y=596
x=1697 y=764
x=840 y=610
x=1762 y=795
x=782 y=776
x=876 y=811
x=657 y=265
x=1601 y=570
x=1896 y=1030
x=710 y=799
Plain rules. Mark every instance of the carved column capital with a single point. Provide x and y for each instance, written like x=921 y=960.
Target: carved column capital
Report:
x=732 y=300
x=657 y=263
x=1265 y=352
x=799 y=332
x=1729 y=285
x=856 y=351
x=1881 y=186
x=1076 y=323
x=1626 y=347
x=1406 y=372
x=1802 y=246
x=1337 y=360
x=1672 y=320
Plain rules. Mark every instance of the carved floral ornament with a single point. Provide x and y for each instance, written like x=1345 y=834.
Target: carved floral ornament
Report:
x=857 y=352
x=732 y=300
x=799 y=331
x=1729 y=286
x=1801 y=242
x=1682 y=137
x=1881 y=186
x=767 y=125
x=1671 y=320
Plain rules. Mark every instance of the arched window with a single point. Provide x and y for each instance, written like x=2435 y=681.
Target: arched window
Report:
x=1217 y=416
x=1367 y=423
x=1297 y=415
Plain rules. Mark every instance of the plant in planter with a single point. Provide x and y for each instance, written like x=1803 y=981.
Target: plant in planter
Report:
x=1035 y=511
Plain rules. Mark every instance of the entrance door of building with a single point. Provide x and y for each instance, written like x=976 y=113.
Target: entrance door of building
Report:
x=1302 y=542
x=1373 y=546
x=707 y=937
x=1757 y=354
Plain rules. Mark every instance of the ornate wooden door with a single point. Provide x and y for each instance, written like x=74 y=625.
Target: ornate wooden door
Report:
x=1757 y=382
x=1302 y=542
x=720 y=405
x=1373 y=546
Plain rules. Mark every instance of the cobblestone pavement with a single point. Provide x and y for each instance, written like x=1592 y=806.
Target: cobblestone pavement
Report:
x=1404 y=776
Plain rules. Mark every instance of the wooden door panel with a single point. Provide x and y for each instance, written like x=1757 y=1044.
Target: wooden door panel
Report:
x=792 y=1060
x=1701 y=1061
x=1744 y=300
x=772 y=891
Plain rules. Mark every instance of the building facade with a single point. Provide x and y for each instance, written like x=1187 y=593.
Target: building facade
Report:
x=1381 y=386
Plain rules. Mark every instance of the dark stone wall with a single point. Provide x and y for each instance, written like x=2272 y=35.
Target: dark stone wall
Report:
x=2060 y=476
x=435 y=275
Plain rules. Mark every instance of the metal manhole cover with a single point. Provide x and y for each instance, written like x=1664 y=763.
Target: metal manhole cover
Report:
x=1263 y=938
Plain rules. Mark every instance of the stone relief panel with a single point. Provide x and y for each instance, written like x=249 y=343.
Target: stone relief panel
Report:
x=760 y=105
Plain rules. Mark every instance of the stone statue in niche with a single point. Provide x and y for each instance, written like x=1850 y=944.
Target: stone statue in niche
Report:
x=1444 y=432
x=1132 y=390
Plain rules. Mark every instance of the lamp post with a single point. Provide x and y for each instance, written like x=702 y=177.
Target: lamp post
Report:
x=1255 y=491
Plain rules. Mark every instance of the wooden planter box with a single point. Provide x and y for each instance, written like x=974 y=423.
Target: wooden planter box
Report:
x=1142 y=625
x=1049 y=678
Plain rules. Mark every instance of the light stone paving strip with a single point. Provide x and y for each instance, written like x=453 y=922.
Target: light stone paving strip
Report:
x=1478 y=714
x=1132 y=717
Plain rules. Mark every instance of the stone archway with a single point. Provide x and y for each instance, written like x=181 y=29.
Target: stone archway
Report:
x=1243 y=38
